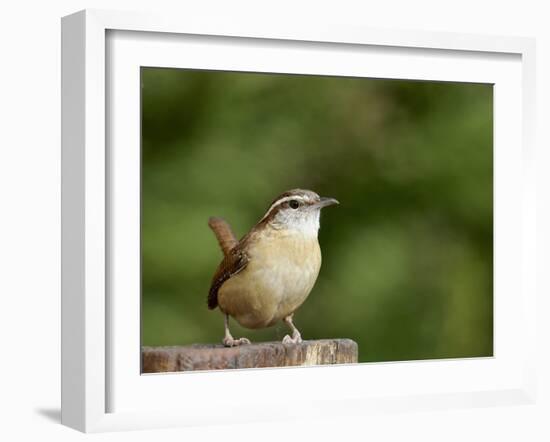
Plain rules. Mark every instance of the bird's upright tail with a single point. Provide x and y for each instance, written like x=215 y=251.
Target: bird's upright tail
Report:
x=224 y=234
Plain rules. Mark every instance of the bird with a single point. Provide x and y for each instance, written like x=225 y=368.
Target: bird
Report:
x=267 y=275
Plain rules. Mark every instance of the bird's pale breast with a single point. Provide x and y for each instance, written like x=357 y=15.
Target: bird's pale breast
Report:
x=282 y=270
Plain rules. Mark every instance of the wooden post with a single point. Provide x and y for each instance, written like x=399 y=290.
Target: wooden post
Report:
x=265 y=354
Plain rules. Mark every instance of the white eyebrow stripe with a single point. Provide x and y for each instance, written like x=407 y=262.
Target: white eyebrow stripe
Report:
x=280 y=201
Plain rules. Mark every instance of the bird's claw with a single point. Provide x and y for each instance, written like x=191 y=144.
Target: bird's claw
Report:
x=231 y=342
x=295 y=339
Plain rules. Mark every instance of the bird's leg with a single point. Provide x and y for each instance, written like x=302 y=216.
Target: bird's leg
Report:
x=296 y=337
x=228 y=340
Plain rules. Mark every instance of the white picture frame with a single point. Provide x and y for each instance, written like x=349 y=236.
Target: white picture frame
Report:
x=91 y=356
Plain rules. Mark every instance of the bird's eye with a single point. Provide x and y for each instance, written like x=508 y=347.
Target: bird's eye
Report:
x=294 y=204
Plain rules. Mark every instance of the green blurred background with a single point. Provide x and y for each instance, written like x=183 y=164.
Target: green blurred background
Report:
x=407 y=256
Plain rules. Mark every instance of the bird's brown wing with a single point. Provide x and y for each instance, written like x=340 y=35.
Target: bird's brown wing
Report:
x=235 y=261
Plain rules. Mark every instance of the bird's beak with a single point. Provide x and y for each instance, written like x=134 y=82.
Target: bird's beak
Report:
x=324 y=202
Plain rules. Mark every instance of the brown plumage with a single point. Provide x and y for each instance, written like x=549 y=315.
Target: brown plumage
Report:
x=268 y=274
x=224 y=234
x=233 y=262
x=235 y=258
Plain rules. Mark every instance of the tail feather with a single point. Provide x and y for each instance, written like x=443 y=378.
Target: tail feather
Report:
x=224 y=234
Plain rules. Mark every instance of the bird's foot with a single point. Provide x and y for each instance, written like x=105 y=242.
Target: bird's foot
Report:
x=229 y=341
x=295 y=339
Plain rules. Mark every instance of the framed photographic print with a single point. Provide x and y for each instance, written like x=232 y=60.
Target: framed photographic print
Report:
x=336 y=217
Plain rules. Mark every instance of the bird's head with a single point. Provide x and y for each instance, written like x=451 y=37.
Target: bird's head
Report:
x=298 y=210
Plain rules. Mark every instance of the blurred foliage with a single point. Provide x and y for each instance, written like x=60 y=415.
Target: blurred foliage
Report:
x=407 y=256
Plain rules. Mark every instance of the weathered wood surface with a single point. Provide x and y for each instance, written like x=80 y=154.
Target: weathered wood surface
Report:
x=265 y=354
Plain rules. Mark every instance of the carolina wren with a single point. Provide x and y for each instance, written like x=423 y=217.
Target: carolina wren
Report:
x=269 y=273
